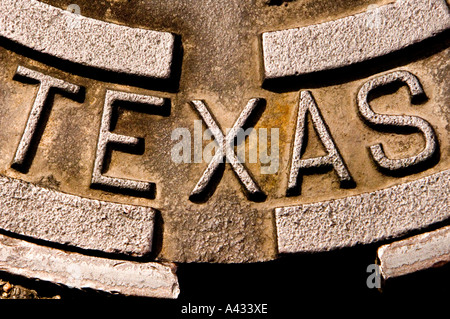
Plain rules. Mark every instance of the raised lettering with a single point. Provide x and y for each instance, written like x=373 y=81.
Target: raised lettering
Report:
x=381 y=121
x=332 y=159
x=225 y=150
x=106 y=138
x=46 y=83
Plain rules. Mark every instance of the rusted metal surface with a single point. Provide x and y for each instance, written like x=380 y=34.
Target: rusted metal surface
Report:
x=182 y=123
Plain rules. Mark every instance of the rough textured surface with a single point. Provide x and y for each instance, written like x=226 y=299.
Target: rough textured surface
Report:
x=333 y=157
x=366 y=218
x=66 y=219
x=398 y=121
x=45 y=84
x=81 y=271
x=89 y=42
x=352 y=39
x=415 y=253
x=107 y=138
x=221 y=64
x=226 y=151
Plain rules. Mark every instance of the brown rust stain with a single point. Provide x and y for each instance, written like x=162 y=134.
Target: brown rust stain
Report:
x=227 y=228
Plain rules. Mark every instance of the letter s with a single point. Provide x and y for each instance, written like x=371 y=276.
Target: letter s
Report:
x=405 y=121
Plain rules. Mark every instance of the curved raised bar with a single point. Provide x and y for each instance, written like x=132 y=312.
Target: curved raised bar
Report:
x=353 y=39
x=365 y=218
x=49 y=215
x=144 y=279
x=87 y=41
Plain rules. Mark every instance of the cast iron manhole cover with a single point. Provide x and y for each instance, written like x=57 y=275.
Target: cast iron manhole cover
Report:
x=220 y=131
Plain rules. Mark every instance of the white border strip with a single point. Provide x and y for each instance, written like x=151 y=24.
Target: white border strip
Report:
x=364 y=218
x=353 y=39
x=53 y=216
x=87 y=41
x=416 y=253
x=79 y=271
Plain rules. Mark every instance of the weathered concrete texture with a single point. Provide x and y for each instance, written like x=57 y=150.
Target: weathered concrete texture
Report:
x=80 y=271
x=89 y=42
x=352 y=39
x=364 y=218
x=415 y=253
x=50 y=215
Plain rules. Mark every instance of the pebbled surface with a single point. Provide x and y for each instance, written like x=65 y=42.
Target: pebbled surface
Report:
x=89 y=42
x=365 y=218
x=53 y=216
x=352 y=39
x=221 y=64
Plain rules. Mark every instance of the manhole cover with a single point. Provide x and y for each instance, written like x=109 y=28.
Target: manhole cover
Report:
x=222 y=131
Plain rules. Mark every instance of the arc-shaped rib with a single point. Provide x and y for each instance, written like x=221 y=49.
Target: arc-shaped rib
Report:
x=416 y=253
x=145 y=279
x=353 y=39
x=87 y=41
x=46 y=214
x=364 y=218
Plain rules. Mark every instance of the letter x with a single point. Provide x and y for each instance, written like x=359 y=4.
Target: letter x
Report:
x=226 y=151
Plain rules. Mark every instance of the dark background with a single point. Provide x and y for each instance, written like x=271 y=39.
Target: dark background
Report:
x=290 y=285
